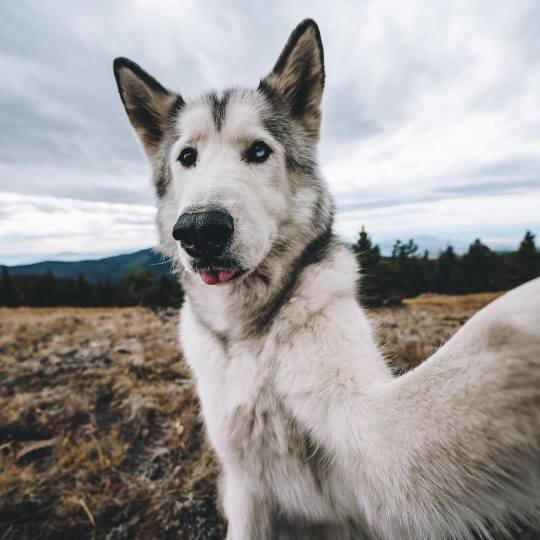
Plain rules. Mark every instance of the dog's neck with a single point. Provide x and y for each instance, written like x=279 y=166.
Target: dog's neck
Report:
x=246 y=308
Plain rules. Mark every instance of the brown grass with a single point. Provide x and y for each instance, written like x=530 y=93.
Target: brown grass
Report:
x=411 y=333
x=99 y=429
x=100 y=435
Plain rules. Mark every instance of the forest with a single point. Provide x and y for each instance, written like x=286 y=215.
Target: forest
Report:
x=408 y=272
x=385 y=280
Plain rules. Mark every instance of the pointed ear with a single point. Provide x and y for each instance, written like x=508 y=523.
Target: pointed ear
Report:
x=298 y=76
x=149 y=105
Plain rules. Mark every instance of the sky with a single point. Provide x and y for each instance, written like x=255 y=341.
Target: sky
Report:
x=431 y=115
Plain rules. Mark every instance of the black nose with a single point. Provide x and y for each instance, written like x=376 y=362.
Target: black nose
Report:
x=204 y=234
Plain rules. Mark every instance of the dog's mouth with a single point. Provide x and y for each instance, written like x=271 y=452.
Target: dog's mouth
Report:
x=214 y=277
x=215 y=272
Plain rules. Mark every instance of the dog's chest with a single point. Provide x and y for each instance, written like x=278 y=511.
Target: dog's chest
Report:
x=246 y=418
x=273 y=450
x=252 y=431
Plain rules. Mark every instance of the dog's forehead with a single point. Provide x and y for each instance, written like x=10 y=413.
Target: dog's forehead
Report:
x=230 y=114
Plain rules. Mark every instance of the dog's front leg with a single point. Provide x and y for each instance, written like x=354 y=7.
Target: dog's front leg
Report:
x=248 y=514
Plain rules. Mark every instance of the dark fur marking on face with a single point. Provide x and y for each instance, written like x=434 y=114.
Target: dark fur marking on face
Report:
x=162 y=172
x=314 y=252
x=177 y=106
x=278 y=124
x=162 y=179
x=219 y=107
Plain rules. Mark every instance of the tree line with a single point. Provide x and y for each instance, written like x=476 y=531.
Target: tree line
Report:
x=408 y=272
x=404 y=274
x=139 y=288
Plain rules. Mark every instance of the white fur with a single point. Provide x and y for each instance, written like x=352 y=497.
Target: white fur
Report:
x=321 y=361
x=390 y=448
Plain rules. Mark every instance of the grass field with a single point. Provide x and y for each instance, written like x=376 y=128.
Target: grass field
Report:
x=100 y=435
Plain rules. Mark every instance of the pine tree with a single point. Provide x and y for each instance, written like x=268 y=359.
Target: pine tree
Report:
x=527 y=259
x=408 y=269
x=368 y=255
x=479 y=269
x=140 y=288
x=105 y=293
x=369 y=258
x=447 y=274
x=8 y=294
x=84 y=291
x=170 y=292
x=46 y=283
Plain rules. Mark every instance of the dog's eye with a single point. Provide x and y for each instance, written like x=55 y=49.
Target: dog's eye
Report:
x=258 y=152
x=188 y=157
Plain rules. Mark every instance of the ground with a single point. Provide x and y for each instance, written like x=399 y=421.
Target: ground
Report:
x=100 y=434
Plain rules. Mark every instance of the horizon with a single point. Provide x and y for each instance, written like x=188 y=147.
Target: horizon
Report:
x=431 y=116
x=385 y=247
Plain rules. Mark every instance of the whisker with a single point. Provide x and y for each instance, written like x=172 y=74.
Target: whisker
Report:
x=162 y=262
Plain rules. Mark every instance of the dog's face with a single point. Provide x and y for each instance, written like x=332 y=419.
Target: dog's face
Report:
x=231 y=168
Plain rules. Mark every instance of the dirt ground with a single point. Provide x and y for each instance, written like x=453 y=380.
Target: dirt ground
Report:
x=100 y=433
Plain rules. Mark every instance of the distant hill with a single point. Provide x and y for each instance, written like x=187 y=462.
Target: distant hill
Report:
x=113 y=268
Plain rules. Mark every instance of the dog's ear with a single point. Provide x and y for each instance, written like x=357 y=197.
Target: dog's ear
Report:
x=298 y=76
x=148 y=104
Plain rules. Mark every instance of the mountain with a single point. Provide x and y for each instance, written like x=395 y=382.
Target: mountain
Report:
x=113 y=268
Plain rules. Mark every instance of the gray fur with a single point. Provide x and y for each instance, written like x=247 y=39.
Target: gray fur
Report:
x=312 y=253
x=300 y=153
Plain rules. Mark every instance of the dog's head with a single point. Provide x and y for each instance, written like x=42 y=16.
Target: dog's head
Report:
x=233 y=170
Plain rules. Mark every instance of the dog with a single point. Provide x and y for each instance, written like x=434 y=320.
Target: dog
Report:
x=315 y=436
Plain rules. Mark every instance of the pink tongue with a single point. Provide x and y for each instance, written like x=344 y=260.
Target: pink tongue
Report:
x=225 y=275
x=209 y=278
x=213 y=278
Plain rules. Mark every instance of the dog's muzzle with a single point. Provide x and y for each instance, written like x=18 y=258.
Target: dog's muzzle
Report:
x=204 y=234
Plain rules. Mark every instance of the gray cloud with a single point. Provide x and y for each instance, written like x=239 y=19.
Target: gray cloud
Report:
x=423 y=104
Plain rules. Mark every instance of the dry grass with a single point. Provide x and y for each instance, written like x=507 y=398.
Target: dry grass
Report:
x=99 y=429
x=100 y=435
x=412 y=333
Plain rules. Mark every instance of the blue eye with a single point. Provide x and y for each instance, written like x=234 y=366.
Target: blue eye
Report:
x=258 y=152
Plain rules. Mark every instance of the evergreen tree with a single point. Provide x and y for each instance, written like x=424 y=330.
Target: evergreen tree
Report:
x=69 y=295
x=369 y=258
x=169 y=291
x=408 y=268
x=84 y=291
x=447 y=273
x=48 y=294
x=368 y=255
x=479 y=267
x=527 y=259
x=8 y=294
x=140 y=288
x=105 y=293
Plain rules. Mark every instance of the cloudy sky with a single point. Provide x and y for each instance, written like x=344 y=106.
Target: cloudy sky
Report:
x=431 y=124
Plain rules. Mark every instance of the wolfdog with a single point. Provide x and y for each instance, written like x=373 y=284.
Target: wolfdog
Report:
x=316 y=437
